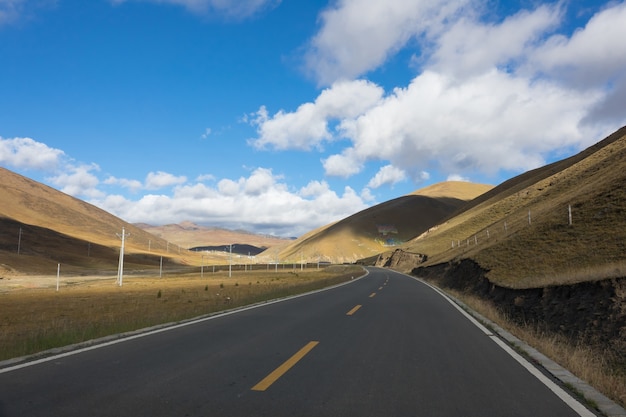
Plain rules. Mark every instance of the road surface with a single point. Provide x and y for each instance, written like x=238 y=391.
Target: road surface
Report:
x=383 y=345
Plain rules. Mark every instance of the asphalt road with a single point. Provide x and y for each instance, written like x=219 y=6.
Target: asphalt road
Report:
x=384 y=345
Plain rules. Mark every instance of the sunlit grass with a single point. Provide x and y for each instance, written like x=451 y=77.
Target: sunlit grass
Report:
x=33 y=320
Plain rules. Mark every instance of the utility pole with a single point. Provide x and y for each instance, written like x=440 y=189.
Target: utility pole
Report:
x=569 y=212
x=120 y=268
x=19 y=241
x=230 y=261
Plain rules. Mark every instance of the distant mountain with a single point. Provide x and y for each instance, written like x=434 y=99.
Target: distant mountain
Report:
x=190 y=235
x=381 y=227
x=48 y=227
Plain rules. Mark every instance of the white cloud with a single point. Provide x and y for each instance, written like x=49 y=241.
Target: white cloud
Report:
x=488 y=123
x=456 y=177
x=307 y=127
x=592 y=56
x=132 y=185
x=366 y=195
x=314 y=188
x=205 y=177
x=79 y=181
x=387 y=175
x=344 y=165
x=236 y=9
x=470 y=47
x=26 y=153
x=489 y=97
x=357 y=36
x=260 y=202
x=160 y=179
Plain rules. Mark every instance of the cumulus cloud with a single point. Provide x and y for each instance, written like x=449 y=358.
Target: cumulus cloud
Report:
x=160 y=179
x=343 y=165
x=261 y=202
x=489 y=96
x=308 y=126
x=229 y=8
x=456 y=177
x=132 y=185
x=470 y=47
x=389 y=175
x=357 y=36
x=592 y=56
x=27 y=153
x=488 y=123
x=79 y=181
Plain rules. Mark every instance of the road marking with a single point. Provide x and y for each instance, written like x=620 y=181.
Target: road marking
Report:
x=380 y=288
x=372 y=295
x=280 y=371
x=351 y=312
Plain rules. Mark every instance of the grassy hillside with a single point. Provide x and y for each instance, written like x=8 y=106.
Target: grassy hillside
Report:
x=520 y=230
x=381 y=227
x=50 y=227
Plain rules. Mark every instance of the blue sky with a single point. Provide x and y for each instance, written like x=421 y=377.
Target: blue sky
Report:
x=281 y=116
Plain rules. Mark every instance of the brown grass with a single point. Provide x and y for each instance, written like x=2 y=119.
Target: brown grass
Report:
x=33 y=320
x=495 y=230
x=598 y=368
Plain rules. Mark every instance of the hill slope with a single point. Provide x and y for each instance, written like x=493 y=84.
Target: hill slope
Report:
x=520 y=231
x=388 y=224
x=50 y=227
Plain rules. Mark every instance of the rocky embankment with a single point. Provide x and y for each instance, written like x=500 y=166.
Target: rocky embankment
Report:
x=592 y=313
x=400 y=260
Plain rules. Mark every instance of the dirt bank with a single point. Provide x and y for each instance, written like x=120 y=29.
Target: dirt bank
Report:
x=593 y=313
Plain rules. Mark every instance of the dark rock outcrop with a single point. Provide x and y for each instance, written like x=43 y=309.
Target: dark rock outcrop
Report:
x=592 y=313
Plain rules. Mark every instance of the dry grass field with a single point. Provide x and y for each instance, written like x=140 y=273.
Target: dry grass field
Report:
x=35 y=317
x=520 y=231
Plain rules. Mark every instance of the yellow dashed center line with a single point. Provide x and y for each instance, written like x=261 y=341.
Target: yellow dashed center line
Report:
x=280 y=371
x=372 y=295
x=351 y=312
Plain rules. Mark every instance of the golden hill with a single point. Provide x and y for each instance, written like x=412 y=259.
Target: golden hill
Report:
x=377 y=228
x=520 y=231
x=49 y=227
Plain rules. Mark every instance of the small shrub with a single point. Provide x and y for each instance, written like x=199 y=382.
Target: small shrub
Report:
x=159 y=294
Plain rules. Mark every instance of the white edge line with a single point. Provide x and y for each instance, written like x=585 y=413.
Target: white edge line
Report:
x=557 y=390
x=170 y=327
